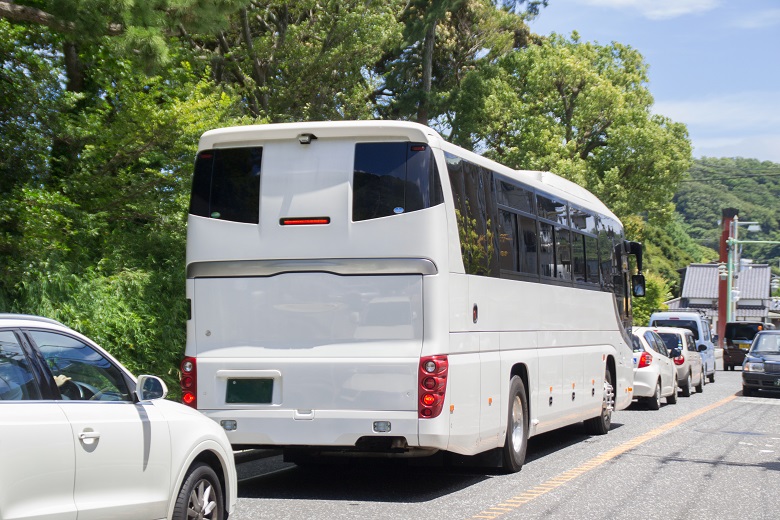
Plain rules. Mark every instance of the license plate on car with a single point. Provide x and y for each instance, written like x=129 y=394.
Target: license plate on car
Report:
x=250 y=391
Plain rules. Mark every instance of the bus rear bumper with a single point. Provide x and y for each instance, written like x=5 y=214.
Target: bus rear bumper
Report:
x=335 y=429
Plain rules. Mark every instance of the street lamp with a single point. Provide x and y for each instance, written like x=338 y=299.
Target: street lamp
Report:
x=733 y=263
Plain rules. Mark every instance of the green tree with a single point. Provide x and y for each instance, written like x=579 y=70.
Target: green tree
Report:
x=657 y=291
x=102 y=249
x=442 y=41
x=583 y=111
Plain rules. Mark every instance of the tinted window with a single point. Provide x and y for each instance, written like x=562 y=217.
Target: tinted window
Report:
x=528 y=249
x=515 y=197
x=80 y=371
x=582 y=220
x=683 y=324
x=552 y=210
x=563 y=254
x=672 y=340
x=393 y=178
x=507 y=240
x=592 y=259
x=474 y=195
x=547 y=249
x=16 y=379
x=742 y=331
x=578 y=257
x=226 y=184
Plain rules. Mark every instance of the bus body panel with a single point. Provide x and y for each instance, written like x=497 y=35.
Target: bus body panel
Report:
x=338 y=316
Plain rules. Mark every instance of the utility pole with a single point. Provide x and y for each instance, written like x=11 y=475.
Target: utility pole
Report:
x=724 y=285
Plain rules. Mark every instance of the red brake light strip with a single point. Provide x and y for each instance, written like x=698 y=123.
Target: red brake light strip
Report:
x=304 y=221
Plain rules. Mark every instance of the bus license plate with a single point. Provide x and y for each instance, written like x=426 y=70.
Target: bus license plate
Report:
x=249 y=391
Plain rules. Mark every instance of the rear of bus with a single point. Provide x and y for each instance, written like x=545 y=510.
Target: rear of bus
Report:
x=315 y=262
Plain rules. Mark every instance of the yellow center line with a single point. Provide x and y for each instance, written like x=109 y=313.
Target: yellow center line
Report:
x=554 y=483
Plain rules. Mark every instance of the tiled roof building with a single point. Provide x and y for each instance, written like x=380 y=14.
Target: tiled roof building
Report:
x=700 y=291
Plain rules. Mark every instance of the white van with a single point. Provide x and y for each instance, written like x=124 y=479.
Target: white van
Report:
x=701 y=328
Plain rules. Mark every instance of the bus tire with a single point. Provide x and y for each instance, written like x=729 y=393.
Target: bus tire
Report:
x=601 y=424
x=516 y=442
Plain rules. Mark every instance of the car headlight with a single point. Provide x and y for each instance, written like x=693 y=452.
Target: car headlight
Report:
x=753 y=366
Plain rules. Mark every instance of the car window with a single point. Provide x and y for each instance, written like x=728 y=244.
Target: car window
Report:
x=637 y=344
x=651 y=340
x=660 y=346
x=766 y=343
x=17 y=381
x=671 y=340
x=81 y=372
x=691 y=343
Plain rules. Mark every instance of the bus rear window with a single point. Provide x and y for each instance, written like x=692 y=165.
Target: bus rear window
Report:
x=226 y=184
x=393 y=178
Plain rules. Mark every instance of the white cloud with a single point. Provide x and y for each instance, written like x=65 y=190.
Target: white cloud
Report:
x=764 y=147
x=734 y=125
x=759 y=20
x=744 y=111
x=659 y=9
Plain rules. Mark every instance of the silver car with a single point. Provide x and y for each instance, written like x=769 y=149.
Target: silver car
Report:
x=690 y=367
x=655 y=376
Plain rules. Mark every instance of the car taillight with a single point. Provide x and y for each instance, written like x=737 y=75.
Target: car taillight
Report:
x=432 y=384
x=645 y=360
x=189 y=382
x=679 y=360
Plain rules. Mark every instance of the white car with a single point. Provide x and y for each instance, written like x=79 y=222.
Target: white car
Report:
x=690 y=367
x=80 y=437
x=655 y=376
x=699 y=325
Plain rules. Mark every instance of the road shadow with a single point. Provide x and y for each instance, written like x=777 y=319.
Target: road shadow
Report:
x=391 y=480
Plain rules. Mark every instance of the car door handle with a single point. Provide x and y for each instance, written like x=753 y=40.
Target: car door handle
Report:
x=88 y=435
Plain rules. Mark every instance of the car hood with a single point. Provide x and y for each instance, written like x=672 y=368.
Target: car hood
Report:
x=764 y=357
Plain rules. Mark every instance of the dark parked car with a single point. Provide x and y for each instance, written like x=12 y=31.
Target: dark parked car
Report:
x=738 y=337
x=761 y=368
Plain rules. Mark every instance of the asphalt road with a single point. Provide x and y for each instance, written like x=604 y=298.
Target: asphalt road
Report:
x=714 y=455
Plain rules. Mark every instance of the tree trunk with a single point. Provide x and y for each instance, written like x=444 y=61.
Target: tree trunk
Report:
x=427 y=73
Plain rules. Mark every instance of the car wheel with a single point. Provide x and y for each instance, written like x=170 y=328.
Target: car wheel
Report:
x=654 y=403
x=700 y=386
x=686 y=389
x=200 y=496
x=672 y=399
x=517 y=427
x=601 y=424
x=712 y=377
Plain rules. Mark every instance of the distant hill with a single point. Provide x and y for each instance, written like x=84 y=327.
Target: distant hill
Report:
x=749 y=185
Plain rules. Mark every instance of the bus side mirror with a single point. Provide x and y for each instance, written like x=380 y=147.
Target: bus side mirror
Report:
x=638 y=285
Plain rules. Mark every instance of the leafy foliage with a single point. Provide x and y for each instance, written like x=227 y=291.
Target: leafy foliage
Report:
x=580 y=110
x=748 y=185
x=102 y=103
x=657 y=291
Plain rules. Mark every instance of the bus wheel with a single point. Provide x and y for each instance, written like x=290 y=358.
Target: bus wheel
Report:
x=600 y=425
x=517 y=427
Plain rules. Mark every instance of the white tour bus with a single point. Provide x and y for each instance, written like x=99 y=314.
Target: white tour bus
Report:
x=367 y=288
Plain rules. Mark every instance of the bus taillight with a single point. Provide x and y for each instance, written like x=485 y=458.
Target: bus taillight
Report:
x=188 y=382
x=432 y=384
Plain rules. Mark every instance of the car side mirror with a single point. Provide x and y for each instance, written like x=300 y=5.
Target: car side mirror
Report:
x=701 y=348
x=150 y=387
x=675 y=352
x=638 y=285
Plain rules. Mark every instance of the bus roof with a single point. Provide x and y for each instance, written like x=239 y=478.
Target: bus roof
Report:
x=251 y=135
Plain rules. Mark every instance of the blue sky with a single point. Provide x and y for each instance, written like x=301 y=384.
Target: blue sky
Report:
x=713 y=64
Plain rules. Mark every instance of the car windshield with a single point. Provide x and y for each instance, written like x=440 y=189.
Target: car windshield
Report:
x=672 y=340
x=683 y=324
x=766 y=343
